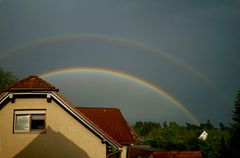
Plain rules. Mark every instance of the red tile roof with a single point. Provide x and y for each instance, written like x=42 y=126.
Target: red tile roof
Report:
x=178 y=154
x=108 y=120
x=112 y=122
x=82 y=114
x=135 y=152
x=31 y=83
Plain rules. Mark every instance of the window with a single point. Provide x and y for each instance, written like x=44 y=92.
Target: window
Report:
x=29 y=120
x=38 y=121
x=22 y=123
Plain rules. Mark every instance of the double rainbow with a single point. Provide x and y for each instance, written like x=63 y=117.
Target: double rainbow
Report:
x=118 y=40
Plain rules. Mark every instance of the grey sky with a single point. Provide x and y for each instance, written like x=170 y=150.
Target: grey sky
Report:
x=203 y=34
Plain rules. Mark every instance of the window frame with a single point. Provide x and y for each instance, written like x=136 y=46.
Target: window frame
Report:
x=29 y=113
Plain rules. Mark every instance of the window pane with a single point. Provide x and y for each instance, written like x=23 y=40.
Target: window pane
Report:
x=37 y=121
x=22 y=123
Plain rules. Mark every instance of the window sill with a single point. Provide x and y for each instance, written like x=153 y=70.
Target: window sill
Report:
x=31 y=132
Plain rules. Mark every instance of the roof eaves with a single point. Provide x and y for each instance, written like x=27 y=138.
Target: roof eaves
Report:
x=123 y=134
x=3 y=97
x=72 y=109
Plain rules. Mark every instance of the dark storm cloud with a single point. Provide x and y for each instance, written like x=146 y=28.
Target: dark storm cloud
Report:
x=203 y=34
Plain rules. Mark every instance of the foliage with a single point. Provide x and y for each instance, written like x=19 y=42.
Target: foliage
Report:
x=6 y=78
x=221 y=142
x=174 y=137
x=234 y=143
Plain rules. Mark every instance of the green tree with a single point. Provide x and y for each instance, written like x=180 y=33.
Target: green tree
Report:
x=221 y=125
x=223 y=148
x=175 y=137
x=235 y=132
x=6 y=78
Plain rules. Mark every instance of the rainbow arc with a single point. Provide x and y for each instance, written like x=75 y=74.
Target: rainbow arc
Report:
x=127 y=76
x=118 y=40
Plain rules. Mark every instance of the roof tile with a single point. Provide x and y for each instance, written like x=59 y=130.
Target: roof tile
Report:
x=31 y=83
x=136 y=151
x=112 y=122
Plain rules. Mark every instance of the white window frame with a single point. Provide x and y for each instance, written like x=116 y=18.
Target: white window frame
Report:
x=29 y=113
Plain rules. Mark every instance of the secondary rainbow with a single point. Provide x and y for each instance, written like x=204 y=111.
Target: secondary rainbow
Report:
x=127 y=76
x=155 y=51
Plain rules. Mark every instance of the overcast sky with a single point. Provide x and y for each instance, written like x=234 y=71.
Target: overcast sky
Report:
x=187 y=48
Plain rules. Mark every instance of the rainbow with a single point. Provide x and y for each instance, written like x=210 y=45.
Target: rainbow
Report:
x=118 y=40
x=127 y=76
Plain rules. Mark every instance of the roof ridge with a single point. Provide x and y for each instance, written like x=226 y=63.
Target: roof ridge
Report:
x=31 y=82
